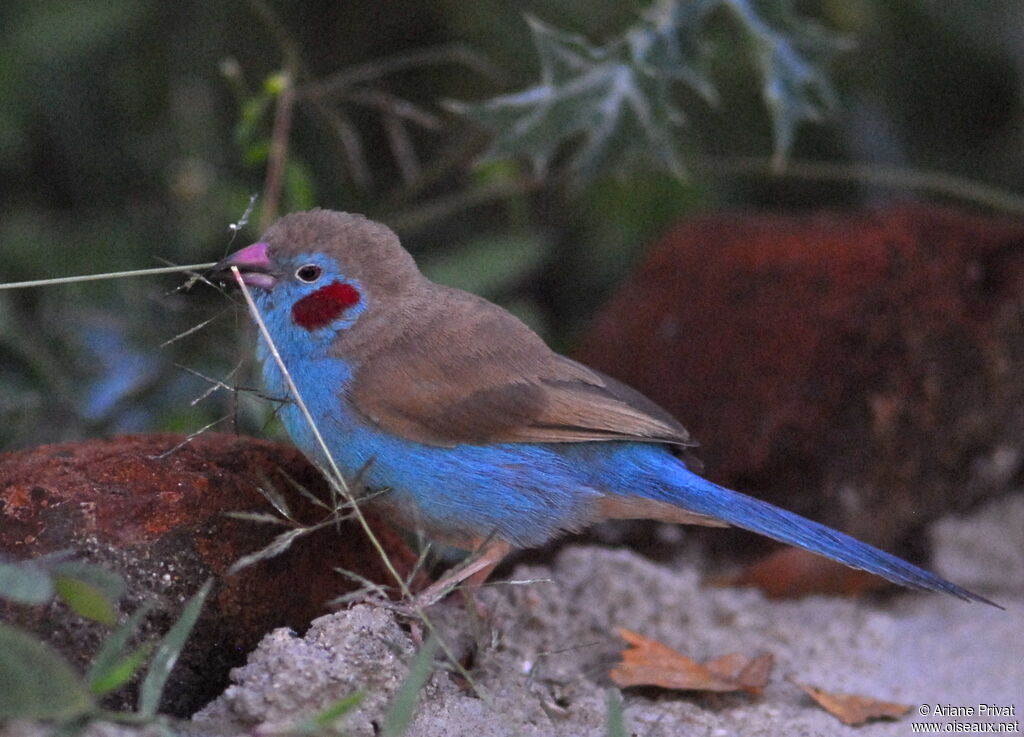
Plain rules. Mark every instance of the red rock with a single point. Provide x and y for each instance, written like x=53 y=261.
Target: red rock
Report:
x=161 y=523
x=865 y=368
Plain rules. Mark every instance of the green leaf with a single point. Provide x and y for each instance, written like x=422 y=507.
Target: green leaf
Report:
x=613 y=108
x=338 y=709
x=109 y=670
x=85 y=599
x=25 y=583
x=36 y=682
x=667 y=46
x=252 y=118
x=275 y=84
x=168 y=651
x=403 y=705
x=120 y=672
x=110 y=584
x=621 y=116
x=615 y=719
x=91 y=591
x=326 y=717
x=792 y=53
x=299 y=191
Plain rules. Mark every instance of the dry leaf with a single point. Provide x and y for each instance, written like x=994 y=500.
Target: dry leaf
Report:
x=853 y=709
x=751 y=674
x=650 y=663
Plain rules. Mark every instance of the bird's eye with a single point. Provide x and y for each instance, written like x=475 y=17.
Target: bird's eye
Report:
x=308 y=273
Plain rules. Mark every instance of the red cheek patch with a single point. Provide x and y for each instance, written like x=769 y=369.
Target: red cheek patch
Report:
x=324 y=306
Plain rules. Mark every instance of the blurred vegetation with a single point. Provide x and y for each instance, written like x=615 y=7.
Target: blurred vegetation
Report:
x=133 y=132
x=38 y=682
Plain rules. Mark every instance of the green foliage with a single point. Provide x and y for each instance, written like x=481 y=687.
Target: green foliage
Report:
x=167 y=653
x=253 y=132
x=791 y=54
x=118 y=150
x=90 y=590
x=111 y=668
x=24 y=583
x=600 y=94
x=36 y=682
x=403 y=705
x=324 y=720
x=615 y=719
x=619 y=102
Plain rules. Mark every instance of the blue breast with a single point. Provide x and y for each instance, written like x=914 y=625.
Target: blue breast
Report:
x=523 y=493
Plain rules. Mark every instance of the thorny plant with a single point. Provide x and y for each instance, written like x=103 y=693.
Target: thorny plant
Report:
x=597 y=109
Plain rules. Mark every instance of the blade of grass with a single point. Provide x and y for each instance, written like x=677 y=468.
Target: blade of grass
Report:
x=108 y=665
x=325 y=718
x=25 y=583
x=277 y=546
x=337 y=482
x=168 y=651
x=276 y=499
x=615 y=718
x=36 y=682
x=120 y=671
x=335 y=477
x=403 y=705
x=108 y=275
x=92 y=591
x=265 y=518
x=313 y=499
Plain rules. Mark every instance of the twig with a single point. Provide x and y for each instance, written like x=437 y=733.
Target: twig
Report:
x=108 y=275
x=418 y=217
x=277 y=157
x=351 y=147
x=935 y=182
x=242 y=221
x=449 y=54
x=455 y=156
x=337 y=480
x=193 y=329
x=289 y=47
x=188 y=439
x=337 y=477
x=402 y=148
x=394 y=105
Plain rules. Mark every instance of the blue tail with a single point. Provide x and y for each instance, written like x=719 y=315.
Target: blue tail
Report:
x=740 y=510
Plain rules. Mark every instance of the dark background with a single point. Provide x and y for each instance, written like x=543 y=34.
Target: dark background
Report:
x=132 y=133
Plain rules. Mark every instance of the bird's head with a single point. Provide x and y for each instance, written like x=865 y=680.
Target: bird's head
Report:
x=324 y=268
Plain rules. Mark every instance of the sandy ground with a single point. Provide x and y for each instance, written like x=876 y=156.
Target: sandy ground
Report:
x=543 y=659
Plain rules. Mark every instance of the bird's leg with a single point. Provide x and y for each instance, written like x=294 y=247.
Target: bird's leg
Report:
x=473 y=572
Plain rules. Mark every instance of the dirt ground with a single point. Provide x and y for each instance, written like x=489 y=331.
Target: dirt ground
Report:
x=542 y=661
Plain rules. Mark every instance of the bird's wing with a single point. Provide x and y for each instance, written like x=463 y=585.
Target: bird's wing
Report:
x=466 y=371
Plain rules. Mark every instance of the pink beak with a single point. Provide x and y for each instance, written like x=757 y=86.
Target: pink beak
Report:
x=253 y=263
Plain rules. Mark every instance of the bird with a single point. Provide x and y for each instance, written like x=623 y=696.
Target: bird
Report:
x=462 y=420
